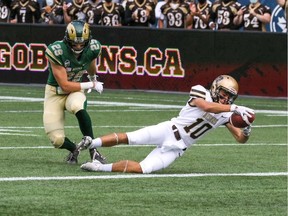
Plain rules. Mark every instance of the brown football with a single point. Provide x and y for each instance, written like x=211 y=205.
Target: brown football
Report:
x=237 y=121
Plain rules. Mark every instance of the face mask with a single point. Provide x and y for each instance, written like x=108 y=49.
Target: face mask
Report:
x=253 y=1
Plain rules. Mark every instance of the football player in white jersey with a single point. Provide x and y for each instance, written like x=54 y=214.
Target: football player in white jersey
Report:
x=204 y=111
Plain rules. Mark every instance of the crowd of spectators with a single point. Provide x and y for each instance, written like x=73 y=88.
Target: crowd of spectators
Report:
x=190 y=14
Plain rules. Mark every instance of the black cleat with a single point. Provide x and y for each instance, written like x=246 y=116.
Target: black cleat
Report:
x=95 y=155
x=72 y=158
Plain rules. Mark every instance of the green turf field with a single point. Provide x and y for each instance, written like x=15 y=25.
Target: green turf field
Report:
x=217 y=176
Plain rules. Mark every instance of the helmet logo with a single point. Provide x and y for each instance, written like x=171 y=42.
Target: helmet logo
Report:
x=78 y=34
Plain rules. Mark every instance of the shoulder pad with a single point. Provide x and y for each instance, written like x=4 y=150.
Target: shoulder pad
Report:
x=198 y=91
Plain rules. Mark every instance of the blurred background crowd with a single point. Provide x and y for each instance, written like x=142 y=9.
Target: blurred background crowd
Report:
x=252 y=15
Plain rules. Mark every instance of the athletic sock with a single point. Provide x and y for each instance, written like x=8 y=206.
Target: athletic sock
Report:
x=106 y=167
x=70 y=146
x=96 y=143
x=85 y=123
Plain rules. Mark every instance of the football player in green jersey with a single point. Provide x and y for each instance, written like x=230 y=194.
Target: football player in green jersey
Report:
x=68 y=60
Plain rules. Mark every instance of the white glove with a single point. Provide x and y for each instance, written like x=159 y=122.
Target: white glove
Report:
x=98 y=86
x=242 y=110
x=247 y=130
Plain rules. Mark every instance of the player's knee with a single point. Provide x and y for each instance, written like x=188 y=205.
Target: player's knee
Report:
x=57 y=140
x=76 y=108
x=149 y=166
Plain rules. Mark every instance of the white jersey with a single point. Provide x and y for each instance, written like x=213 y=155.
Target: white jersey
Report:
x=193 y=122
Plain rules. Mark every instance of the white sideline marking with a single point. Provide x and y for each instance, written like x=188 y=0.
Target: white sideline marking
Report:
x=134 y=176
x=16 y=134
x=2 y=128
x=128 y=146
x=108 y=103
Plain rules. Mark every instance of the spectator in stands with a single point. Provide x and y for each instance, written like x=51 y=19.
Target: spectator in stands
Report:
x=90 y=12
x=253 y=16
x=110 y=14
x=25 y=11
x=53 y=14
x=222 y=15
x=75 y=10
x=200 y=14
x=5 y=10
x=158 y=14
x=176 y=14
x=140 y=13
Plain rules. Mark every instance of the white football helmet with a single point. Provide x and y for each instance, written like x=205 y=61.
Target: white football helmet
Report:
x=226 y=83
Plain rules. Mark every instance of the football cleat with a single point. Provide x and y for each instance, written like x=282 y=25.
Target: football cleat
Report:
x=72 y=158
x=93 y=166
x=95 y=155
x=85 y=143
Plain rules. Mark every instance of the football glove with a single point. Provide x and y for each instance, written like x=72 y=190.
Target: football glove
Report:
x=243 y=111
x=98 y=86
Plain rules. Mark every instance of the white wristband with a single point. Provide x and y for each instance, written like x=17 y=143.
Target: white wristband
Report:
x=86 y=85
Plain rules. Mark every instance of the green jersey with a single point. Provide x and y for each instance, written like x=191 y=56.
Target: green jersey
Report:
x=61 y=54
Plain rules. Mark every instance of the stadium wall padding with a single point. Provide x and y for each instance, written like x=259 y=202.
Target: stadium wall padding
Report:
x=156 y=59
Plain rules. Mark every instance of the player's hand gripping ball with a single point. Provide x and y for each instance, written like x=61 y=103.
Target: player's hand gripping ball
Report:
x=237 y=121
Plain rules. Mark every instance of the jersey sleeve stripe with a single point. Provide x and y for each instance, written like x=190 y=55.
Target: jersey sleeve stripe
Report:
x=197 y=93
x=52 y=57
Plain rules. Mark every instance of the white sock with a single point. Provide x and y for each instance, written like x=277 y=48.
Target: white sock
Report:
x=106 y=167
x=96 y=143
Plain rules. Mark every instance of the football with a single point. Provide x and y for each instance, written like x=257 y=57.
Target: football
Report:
x=237 y=121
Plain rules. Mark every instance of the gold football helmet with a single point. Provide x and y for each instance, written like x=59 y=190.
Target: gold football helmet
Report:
x=227 y=84
x=77 y=32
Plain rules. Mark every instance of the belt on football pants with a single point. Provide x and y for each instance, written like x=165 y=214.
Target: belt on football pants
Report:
x=176 y=132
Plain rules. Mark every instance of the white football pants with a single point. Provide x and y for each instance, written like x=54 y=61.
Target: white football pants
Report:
x=168 y=147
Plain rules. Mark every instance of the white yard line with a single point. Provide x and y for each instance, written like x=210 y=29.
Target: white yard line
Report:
x=134 y=176
x=129 y=146
x=18 y=129
x=113 y=104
